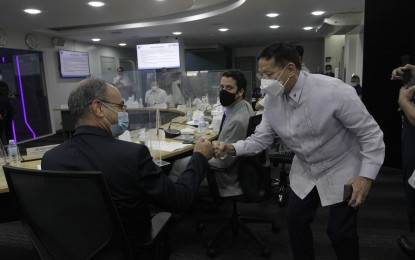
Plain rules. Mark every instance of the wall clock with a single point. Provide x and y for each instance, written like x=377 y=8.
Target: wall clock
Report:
x=3 y=38
x=31 y=41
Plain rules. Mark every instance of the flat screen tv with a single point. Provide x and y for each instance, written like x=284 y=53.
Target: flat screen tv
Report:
x=74 y=64
x=158 y=55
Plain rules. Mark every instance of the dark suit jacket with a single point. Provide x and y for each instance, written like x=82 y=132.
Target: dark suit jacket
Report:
x=134 y=180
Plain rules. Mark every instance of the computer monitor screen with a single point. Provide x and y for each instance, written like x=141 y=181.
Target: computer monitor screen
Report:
x=74 y=64
x=157 y=56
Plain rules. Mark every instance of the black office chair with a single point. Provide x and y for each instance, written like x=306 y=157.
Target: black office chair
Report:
x=70 y=215
x=280 y=153
x=254 y=177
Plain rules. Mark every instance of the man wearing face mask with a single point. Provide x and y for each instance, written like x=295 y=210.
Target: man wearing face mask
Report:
x=122 y=82
x=233 y=128
x=335 y=141
x=133 y=179
x=156 y=97
x=355 y=82
x=178 y=97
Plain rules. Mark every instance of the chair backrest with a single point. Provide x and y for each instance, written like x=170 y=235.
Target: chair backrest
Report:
x=253 y=123
x=68 y=215
x=254 y=173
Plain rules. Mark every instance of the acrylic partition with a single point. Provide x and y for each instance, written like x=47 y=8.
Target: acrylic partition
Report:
x=24 y=96
x=154 y=99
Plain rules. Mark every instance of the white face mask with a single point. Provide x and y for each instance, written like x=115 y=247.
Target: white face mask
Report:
x=354 y=84
x=154 y=88
x=273 y=87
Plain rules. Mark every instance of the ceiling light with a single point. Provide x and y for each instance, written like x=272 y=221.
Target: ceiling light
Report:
x=317 y=12
x=223 y=29
x=96 y=39
x=96 y=4
x=177 y=33
x=32 y=11
x=122 y=44
x=274 y=26
x=272 y=15
x=307 y=28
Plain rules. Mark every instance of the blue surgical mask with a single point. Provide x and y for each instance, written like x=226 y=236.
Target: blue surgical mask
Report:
x=122 y=124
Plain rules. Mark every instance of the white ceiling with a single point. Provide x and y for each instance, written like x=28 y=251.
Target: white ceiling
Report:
x=146 y=21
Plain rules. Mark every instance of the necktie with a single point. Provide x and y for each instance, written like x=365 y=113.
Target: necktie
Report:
x=221 y=122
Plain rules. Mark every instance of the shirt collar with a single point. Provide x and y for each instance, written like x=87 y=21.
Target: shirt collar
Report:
x=295 y=93
x=229 y=109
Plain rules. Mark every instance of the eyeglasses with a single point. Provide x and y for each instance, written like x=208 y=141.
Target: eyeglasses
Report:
x=264 y=75
x=269 y=75
x=122 y=106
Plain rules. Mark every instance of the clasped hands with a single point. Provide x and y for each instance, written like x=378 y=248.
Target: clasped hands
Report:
x=215 y=149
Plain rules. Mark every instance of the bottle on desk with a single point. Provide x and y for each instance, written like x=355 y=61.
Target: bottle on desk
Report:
x=202 y=125
x=14 y=155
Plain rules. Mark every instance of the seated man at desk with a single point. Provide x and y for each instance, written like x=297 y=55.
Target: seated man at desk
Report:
x=133 y=179
x=234 y=126
x=156 y=97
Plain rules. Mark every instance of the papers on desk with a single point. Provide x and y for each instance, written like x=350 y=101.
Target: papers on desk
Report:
x=126 y=136
x=166 y=146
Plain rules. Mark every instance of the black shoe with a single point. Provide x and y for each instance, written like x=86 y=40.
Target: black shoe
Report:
x=407 y=246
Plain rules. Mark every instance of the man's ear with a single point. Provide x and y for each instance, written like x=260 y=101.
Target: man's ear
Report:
x=291 y=69
x=241 y=92
x=96 y=108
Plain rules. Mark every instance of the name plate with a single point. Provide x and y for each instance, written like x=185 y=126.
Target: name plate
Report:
x=38 y=152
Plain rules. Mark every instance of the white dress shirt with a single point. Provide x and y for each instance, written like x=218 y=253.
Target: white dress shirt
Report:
x=333 y=136
x=156 y=98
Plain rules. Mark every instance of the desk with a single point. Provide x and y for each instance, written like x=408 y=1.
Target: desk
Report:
x=164 y=155
x=3 y=183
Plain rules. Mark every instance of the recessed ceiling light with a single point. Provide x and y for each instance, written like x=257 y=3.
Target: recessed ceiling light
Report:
x=307 y=28
x=96 y=4
x=274 y=26
x=96 y=39
x=122 y=44
x=223 y=29
x=317 y=12
x=177 y=33
x=272 y=15
x=32 y=11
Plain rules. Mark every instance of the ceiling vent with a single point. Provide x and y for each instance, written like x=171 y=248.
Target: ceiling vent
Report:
x=204 y=48
x=340 y=24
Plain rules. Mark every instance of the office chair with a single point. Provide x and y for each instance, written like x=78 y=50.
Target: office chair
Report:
x=254 y=177
x=280 y=153
x=70 y=215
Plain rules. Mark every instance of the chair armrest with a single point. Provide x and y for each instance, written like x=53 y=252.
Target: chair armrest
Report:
x=158 y=222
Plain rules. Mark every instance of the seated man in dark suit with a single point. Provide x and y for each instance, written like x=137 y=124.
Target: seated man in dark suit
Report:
x=134 y=180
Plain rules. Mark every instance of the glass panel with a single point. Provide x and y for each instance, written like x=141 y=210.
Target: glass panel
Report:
x=27 y=115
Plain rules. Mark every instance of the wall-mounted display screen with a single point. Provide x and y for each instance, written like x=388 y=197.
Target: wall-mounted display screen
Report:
x=74 y=64
x=157 y=56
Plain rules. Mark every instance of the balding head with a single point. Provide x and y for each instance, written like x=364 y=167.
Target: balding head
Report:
x=84 y=94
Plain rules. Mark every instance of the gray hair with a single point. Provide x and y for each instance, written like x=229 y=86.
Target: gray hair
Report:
x=82 y=96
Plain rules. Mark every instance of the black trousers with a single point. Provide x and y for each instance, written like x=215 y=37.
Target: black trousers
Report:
x=341 y=229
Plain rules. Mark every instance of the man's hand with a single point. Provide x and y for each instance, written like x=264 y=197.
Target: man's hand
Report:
x=361 y=187
x=221 y=149
x=398 y=72
x=405 y=94
x=204 y=147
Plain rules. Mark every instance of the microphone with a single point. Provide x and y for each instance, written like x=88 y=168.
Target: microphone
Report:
x=171 y=133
